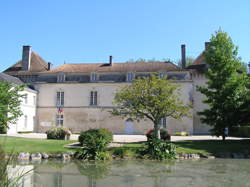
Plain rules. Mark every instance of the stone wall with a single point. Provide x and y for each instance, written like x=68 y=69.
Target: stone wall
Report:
x=78 y=115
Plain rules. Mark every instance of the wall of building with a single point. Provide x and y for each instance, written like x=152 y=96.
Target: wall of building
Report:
x=199 y=127
x=79 y=115
x=26 y=122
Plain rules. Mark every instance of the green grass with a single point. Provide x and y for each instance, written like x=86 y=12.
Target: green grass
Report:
x=57 y=146
x=206 y=146
x=213 y=146
x=16 y=145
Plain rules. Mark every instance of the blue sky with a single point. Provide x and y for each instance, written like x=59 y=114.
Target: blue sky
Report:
x=88 y=31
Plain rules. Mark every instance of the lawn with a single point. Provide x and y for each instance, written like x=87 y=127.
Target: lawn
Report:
x=57 y=146
x=206 y=146
x=16 y=144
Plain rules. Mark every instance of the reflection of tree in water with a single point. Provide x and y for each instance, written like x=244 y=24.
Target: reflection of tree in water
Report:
x=130 y=170
x=93 y=170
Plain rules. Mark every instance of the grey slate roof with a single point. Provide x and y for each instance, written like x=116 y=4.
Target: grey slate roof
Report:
x=7 y=78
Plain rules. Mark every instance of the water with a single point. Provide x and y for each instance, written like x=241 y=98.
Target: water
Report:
x=217 y=172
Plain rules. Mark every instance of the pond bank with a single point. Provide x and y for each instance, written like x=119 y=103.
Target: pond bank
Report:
x=38 y=157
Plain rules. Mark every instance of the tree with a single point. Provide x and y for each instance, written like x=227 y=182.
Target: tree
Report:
x=189 y=60
x=10 y=100
x=226 y=87
x=151 y=97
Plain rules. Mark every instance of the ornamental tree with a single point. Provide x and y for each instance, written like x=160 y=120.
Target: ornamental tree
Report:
x=150 y=98
x=10 y=100
x=226 y=89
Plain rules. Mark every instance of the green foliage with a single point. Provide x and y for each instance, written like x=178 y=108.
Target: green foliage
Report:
x=57 y=133
x=95 y=142
x=226 y=90
x=164 y=134
x=243 y=131
x=10 y=100
x=151 y=97
x=159 y=150
x=5 y=162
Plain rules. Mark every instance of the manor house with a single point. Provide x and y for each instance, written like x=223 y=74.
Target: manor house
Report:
x=80 y=96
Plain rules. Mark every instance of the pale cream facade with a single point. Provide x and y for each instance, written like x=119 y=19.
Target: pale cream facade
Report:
x=79 y=115
x=27 y=121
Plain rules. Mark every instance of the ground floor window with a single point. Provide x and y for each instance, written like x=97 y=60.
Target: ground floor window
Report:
x=163 y=123
x=25 y=121
x=59 y=120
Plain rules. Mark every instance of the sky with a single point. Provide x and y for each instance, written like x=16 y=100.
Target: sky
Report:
x=89 y=31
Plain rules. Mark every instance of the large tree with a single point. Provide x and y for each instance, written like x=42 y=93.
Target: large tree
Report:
x=226 y=86
x=151 y=97
x=10 y=100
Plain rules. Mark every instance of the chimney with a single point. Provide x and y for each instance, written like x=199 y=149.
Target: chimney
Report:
x=183 y=56
x=49 y=66
x=206 y=45
x=26 y=58
x=110 y=60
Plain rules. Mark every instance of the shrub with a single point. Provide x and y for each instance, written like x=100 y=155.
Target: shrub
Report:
x=95 y=142
x=159 y=149
x=182 y=133
x=57 y=133
x=164 y=134
x=243 y=131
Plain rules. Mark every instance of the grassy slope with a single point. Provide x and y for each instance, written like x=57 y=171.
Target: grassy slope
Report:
x=16 y=144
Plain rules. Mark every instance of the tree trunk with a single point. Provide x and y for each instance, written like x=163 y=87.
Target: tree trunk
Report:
x=157 y=133
x=223 y=135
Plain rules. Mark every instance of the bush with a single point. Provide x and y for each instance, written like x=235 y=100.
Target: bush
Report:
x=57 y=133
x=95 y=142
x=182 y=133
x=164 y=134
x=159 y=149
x=243 y=131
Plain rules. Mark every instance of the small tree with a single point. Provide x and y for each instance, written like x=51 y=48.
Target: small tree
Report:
x=10 y=100
x=226 y=87
x=153 y=98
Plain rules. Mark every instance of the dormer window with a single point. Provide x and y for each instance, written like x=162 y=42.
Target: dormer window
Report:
x=130 y=77
x=61 y=77
x=93 y=77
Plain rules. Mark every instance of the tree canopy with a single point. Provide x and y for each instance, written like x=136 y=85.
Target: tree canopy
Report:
x=226 y=90
x=10 y=100
x=150 y=98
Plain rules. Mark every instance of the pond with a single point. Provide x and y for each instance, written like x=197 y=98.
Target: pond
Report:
x=133 y=173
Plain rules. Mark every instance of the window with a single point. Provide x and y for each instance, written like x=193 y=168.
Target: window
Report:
x=160 y=74
x=93 y=98
x=26 y=99
x=130 y=77
x=25 y=121
x=59 y=120
x=60 y=98
x=34 y=100
x=163 y=123
x=61 y=77
x=93 y=77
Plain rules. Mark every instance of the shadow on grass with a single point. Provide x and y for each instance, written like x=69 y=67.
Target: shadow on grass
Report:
x=213 y=146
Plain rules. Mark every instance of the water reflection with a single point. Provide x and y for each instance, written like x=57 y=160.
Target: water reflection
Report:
x=218 y=172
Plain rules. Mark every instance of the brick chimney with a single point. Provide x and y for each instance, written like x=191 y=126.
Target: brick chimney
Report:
x=49 y=66
x=110 y=60
x=26 y=58
x=183 y=56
